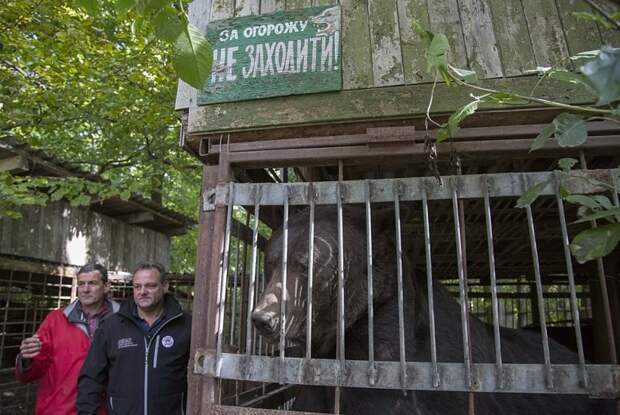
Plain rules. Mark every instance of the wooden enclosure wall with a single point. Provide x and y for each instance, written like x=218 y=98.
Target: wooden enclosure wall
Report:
x=60 y=233
x=500 y=39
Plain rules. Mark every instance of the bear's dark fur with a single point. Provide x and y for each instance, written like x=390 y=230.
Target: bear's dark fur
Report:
x=518 y=346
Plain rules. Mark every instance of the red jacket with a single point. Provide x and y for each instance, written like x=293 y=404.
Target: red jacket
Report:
x=65 y=344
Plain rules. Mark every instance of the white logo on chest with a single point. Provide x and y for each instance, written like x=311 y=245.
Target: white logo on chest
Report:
x=167 y=342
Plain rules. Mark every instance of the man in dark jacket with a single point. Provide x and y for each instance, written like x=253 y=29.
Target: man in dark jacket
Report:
x=139 y=355
x=54 y=355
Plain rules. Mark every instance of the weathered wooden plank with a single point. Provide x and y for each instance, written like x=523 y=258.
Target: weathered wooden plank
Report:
x=480 y=41
x=5 y=235
x=356 y=57
x=247 y=7
x=546 y=32
x=359 y=105
x=270 y=6
x=297 y=4
x=512 y=37
x=413 y=48
x=199 y=12
x=609 y=36
x=222 y=9
x=387 y=59
x=444 y=18
x=580 y=35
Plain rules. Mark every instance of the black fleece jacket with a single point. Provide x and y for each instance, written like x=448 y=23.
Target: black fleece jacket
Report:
x=143 y=374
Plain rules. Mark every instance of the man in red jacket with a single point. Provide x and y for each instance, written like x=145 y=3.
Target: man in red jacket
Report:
x=55 y=354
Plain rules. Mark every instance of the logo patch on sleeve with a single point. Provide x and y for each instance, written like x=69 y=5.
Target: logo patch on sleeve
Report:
x=167 y=342
x=125 y=343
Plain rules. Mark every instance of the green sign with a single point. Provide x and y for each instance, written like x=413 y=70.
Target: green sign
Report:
x=283 y=53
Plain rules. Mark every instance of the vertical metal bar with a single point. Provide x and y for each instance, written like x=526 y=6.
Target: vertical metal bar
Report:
x=251 y=288
x=539 y=297
x=243 y=303
x=602 y=281
x=462 y=295
x=310 y=285
x=372 y=372
x=7 y=304
x=262 y=290
x=284 y=296
x=614 y=182
x=399 y=276
x=233 y=303
x=223 y=277
x=571 y=282
x=494 y=302
x=340 y=352
x=429 y=284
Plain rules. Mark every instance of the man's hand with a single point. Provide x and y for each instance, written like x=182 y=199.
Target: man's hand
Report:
x=30 y=347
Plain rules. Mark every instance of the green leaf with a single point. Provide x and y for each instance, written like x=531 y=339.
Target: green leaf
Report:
x=449 y=129
x=81 y=200
x=608 y=213
x=543 y=137
x=596 y=18
x=573 y=78
x=595 y=243
x=531 y=194
x=193 y=57
x=603 y=201
x=436 y=55
x=506 y=98
x=570 y=130
x=168 y=25
x=604 y=73
x=123 y=6
x=566 y=164
x=91 y=6
x=583 y=200
x=465 y=74
x=156 y=5
x=125 y=195
x=425 y=35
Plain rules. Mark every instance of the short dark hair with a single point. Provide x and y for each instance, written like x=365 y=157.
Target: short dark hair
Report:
x=92 y=267
x=152 y=265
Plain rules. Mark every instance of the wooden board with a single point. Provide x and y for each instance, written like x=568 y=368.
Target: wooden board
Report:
x=282 y=53
x=270 y=6
x=512 y=36
x=356 y=57
x=412 y=46
x=199 y=14
x=359 y=105
x=444 y=17
x=60 y=233
x=581 y=35
x=479 y=35
x=387 y=58
x=546 y=32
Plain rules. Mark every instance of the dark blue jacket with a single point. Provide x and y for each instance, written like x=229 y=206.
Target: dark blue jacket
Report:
x=143 y=374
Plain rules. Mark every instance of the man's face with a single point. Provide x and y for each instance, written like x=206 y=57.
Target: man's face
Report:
x=148 y=290
x=91 y=288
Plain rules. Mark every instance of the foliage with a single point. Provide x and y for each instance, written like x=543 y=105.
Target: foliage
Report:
x=167 y=19
x=97 y=91
x=598 y=72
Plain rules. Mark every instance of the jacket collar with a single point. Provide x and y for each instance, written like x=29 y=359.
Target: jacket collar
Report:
x=74 y=314
x=171 y=308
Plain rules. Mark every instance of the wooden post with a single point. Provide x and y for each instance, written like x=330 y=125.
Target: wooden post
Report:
x=203 y=390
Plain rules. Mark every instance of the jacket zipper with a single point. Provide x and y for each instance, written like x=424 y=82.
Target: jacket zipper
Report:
x=156 y=352
x=147 y=346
